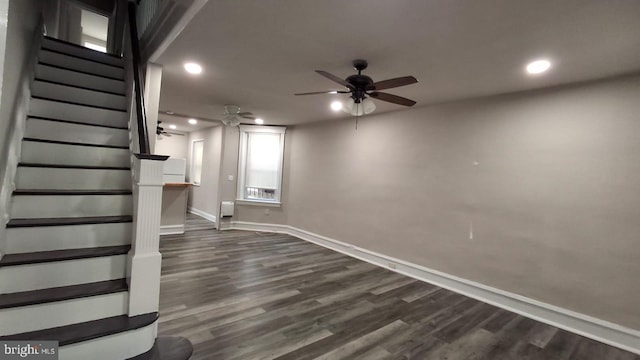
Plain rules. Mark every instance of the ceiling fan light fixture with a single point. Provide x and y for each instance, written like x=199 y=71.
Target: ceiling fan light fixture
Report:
x=365 y=106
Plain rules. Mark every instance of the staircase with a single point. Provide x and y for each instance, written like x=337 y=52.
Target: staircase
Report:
x=63 y=275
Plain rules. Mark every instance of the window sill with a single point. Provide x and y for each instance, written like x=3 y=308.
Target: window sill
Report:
x=258 y=203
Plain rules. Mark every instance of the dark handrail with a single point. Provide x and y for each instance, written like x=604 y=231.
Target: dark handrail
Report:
x=143 y=133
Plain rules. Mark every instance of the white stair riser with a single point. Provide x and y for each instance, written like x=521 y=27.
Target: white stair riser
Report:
x=79 y=79
x=63 y=154
x=57 y=206
x=49 y=238
x=84 y=114
x=60 y=313
x=77 y=95
x=72 y=179
x=86 y=134
x=81 y=52
x=74 y=63
x=61 y=273
x=123 y=345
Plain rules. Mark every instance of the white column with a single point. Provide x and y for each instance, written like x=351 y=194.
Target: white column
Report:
x=144 y=258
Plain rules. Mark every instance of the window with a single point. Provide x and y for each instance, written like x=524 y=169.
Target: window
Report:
x=197 y=149
x=95 y=28
x=260 y=165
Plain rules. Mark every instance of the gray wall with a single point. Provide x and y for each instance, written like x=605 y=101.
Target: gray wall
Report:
x=22 y=21
x=175 y=146
x=547 y=181
x=18 y=42
x=205 y=196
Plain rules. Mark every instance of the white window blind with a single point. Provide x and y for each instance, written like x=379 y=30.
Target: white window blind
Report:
x=260 y=170
x=262 y=160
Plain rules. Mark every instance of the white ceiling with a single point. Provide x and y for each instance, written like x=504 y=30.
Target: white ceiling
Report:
x=257 y=54
x=181 y=121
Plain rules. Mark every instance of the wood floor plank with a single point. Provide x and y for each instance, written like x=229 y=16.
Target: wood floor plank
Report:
x=247 y=295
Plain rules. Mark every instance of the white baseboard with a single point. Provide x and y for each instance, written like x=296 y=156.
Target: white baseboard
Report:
x=171 y=229
x=594 y=328
x=204 y=214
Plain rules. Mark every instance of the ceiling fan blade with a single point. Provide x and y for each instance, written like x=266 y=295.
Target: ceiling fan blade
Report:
x=392 y=98
x=245 y=113
x=169 y=133
x=396 y=82
x=324 y=92
x=334 y=78
x=248 y=117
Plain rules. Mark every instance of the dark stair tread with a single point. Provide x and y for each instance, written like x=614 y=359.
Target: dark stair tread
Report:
x=83 y=47
x=79 y=71
x=168 y=348
x=41 y=80
x=61 y=255
x=61 y=293
x=71 y=192
x=75 y=333
x=68 y=221
x=77 y=122
x=74 y=143
x=78 y=104
x=66 y=166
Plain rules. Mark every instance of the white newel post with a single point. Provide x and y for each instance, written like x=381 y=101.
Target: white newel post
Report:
x=144 y=257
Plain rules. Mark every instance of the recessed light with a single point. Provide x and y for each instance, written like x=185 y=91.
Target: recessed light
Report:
x=336 y=106
x=173 y=127
x=169 y=112
x=193 y=121
x=538 y=66
x=259 y=121
x=193 y=68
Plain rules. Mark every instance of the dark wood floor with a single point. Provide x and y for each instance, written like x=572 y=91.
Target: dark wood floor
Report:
x=244 y=295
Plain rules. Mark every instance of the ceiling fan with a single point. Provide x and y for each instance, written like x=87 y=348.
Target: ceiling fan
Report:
x=161 y=132
x=232 y=115
x=361 y=87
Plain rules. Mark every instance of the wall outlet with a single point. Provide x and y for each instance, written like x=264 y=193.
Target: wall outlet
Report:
x=391 y=265
x=230 y=177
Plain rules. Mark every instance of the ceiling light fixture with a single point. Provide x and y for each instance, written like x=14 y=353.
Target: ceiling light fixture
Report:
x=193 y=68
x=538 y=66
x=172 y=127
x=259 y=121
x=363 y=107
x=336 y=106
x=193 y=121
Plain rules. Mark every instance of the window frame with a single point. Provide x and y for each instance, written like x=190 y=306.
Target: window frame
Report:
x=192 y=162
x=245 y=130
